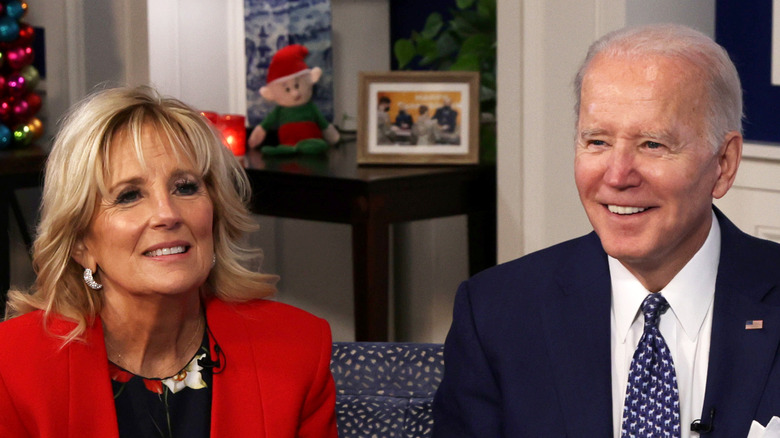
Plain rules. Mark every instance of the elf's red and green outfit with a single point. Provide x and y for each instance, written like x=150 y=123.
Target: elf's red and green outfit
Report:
x=300 y=127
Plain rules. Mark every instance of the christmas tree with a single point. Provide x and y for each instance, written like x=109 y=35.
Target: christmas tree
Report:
x=19 y=103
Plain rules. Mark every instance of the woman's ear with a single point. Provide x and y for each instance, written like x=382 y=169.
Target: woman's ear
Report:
x=81 y=255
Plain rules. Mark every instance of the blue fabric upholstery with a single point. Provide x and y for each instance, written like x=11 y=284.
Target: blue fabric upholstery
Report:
x=386 y=389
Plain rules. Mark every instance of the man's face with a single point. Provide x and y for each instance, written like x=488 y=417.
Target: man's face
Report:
x=644 y=170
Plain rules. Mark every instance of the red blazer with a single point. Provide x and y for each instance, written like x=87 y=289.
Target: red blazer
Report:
x=276 y=380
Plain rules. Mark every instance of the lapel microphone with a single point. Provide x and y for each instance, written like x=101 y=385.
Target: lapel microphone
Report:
x=702 y=428
x=217 y=365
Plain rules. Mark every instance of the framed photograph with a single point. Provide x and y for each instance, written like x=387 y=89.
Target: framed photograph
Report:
x=418 y=117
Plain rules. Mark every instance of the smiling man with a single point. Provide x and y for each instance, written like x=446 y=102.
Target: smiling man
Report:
x=665 y=321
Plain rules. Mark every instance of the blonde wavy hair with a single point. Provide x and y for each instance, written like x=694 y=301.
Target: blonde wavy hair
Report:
x=76 y=173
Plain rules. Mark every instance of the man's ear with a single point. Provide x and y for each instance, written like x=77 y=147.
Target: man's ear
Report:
x=729 y=157
x=316 y=74
x=81 y=255
x=267 y=93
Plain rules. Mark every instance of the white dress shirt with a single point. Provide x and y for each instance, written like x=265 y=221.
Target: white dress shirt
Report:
x=686 y=328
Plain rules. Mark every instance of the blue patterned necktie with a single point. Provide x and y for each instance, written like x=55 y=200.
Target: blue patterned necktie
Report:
x=652 y=406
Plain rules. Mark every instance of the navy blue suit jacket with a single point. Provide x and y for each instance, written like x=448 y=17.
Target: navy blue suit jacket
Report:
x=528 y=354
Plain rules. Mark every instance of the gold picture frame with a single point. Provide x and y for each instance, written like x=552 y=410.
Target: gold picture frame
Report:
x=418 y=117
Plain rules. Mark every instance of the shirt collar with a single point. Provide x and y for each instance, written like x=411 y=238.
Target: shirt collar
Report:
x=689 y=294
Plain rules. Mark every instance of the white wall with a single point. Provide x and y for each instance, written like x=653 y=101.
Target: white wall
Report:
x=537 y=200
x=753 y=203
x=357 y=46
x=196 y=52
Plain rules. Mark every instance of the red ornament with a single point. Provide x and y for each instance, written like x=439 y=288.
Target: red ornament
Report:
x=6 y=110
x=20 y=57
x=34 y=101
x=3 y=86
x=26 y=34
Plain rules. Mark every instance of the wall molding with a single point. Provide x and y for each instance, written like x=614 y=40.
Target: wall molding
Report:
x=76 y=61
x=165 y=46
x=759 y=151
x=236 y=57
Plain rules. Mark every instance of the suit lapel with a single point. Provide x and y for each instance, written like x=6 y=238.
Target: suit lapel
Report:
x=236 y=408
x=740 y=359
x=90 y=407
x=577 y=327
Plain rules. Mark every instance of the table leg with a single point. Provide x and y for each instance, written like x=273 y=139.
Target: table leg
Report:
x=370 y=247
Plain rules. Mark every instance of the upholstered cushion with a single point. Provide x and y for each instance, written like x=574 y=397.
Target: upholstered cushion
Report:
x=386 y=389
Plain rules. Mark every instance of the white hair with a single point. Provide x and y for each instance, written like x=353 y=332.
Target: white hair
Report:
x=724 y=91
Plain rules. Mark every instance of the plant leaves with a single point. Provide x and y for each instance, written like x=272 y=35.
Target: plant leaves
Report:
x=487 y=8
x=462 y=25
x=447 y=46
x=433 y=25
x=478 y=44
x=426 y=47
x=466 y=62
x=464 y=4
x=404 y=52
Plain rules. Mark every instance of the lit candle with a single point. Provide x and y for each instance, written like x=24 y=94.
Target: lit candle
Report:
x=233 y=129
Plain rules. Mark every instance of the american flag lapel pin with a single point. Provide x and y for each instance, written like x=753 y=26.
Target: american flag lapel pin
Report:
x=754 y=324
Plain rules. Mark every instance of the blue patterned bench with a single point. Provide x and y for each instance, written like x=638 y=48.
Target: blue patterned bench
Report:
x=385 y=389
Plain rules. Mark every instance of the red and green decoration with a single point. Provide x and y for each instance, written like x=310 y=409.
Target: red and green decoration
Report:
x=19 y=103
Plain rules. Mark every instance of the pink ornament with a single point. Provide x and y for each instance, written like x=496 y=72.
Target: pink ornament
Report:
x=20 y=57
x=16 y=84
x=21 y=110
x=6 y=110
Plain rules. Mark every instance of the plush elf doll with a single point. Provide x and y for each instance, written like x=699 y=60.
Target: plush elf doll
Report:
x=300 y=125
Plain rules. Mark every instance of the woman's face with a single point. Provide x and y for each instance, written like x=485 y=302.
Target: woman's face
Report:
x=152 y=233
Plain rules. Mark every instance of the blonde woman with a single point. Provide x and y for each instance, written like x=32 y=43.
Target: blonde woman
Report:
x=142 y=320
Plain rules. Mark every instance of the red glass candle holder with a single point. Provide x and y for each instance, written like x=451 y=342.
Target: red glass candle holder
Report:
x=233 y=129
x=210 y=116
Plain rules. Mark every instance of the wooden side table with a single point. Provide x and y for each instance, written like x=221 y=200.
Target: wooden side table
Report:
x=334 y=188
x=19 y=168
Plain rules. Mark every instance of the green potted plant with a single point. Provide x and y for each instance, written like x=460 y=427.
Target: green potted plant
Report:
x=467 y=42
